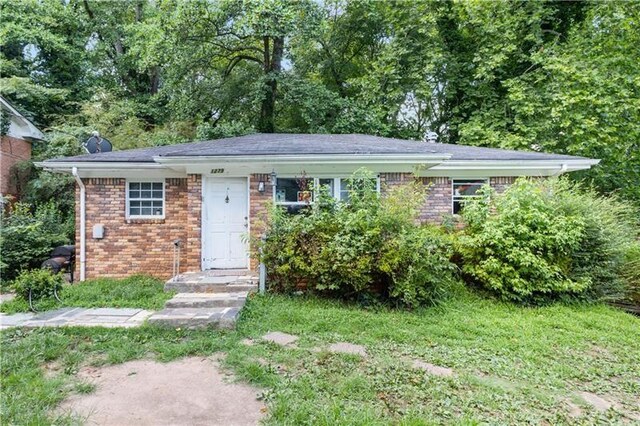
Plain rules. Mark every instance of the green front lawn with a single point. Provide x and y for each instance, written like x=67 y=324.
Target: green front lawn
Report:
x=512 y=364
x=137 y=291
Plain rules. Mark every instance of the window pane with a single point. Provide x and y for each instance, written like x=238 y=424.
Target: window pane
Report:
x=457 y=207
x=326 y=183
x=358 y=185
x=146 y=199
x=287 y=190
x=466 y=189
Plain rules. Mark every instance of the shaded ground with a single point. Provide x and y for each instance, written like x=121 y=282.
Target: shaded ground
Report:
x=190 y=391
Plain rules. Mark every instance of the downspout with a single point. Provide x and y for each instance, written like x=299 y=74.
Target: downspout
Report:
x=74 y=172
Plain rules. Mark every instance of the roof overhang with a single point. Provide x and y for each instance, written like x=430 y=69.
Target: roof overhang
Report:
x=89 y=169
x=487 y=168
x=424 y=165
x=309 y=163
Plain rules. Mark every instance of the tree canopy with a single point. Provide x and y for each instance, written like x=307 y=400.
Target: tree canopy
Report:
x=551 y=76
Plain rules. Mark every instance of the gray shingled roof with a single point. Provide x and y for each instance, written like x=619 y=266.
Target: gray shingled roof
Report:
x=308 y=144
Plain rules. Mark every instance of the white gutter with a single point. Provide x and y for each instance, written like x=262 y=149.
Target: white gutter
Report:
x=563 y=164
x=94 y=165
x=83 y=261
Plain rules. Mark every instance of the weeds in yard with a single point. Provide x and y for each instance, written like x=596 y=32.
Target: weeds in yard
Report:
x=137 y=291
x=511 y=364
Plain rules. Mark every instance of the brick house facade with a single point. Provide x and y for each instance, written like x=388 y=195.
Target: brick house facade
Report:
x=133 y=246
x=213 y=196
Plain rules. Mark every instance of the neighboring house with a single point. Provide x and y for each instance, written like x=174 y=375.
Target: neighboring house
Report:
x=15 y=143
x=132 y=205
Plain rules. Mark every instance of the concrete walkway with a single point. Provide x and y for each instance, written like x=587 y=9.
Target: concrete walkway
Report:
x=95 y=317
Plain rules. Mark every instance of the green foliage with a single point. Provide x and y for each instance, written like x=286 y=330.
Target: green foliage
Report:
x=546 y=239
x=368 y=247
x=27 y=238
x=40 y=282
x=5 y=122
x=136 y=291
x=549 y=76
x=579 y=95
x=531 y=360
x=631 y=272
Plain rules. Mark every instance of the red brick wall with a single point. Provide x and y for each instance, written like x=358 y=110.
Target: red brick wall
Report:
x=501 y=183
x=439 y=198
x=135 y=245
x=258 y=208
x=193 y=223
x=146 y=245
x=12 y=150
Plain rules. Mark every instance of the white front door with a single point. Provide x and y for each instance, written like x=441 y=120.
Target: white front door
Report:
x=224 y=223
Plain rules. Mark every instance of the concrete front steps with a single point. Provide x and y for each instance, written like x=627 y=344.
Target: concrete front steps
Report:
x=206 y=299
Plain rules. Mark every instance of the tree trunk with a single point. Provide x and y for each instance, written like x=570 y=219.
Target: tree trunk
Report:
x=272 y=69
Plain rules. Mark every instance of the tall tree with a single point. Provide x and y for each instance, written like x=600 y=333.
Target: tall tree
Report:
x=211 y=44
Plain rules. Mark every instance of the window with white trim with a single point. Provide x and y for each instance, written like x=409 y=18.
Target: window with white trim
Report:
x=299 y=192
x=145 y=199
x=464 y=189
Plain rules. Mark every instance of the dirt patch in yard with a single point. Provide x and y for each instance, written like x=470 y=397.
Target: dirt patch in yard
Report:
x=189 y=391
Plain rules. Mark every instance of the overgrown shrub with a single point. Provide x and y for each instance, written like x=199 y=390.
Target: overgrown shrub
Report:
x=42 y=283
x=546 y=239
x=370 y=247
x=631 y=272
x=27 y=238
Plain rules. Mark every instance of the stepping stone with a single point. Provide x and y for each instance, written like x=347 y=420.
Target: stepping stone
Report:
x=247 y=342
x=348 y=348
x=282 y=339
x=574 y=410
x=600 y=404
x=14 y=320
x=436 y=370
x=196 y=318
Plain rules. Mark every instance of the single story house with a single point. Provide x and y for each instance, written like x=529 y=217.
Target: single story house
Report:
x=15 y=143
x=132 y=205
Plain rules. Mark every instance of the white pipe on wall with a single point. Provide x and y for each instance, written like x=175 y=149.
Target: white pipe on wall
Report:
x=74 y=172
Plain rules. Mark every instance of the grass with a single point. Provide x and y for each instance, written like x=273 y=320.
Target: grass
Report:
x=137 y=291
x=512 y=364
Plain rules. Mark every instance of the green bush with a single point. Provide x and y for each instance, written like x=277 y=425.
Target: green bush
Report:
x=631 y=272
x=41 y=282
x=545 y=239
x=27 y=238
x=370 y=247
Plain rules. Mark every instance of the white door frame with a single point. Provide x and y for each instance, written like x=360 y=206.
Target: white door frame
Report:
x=202 y=215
